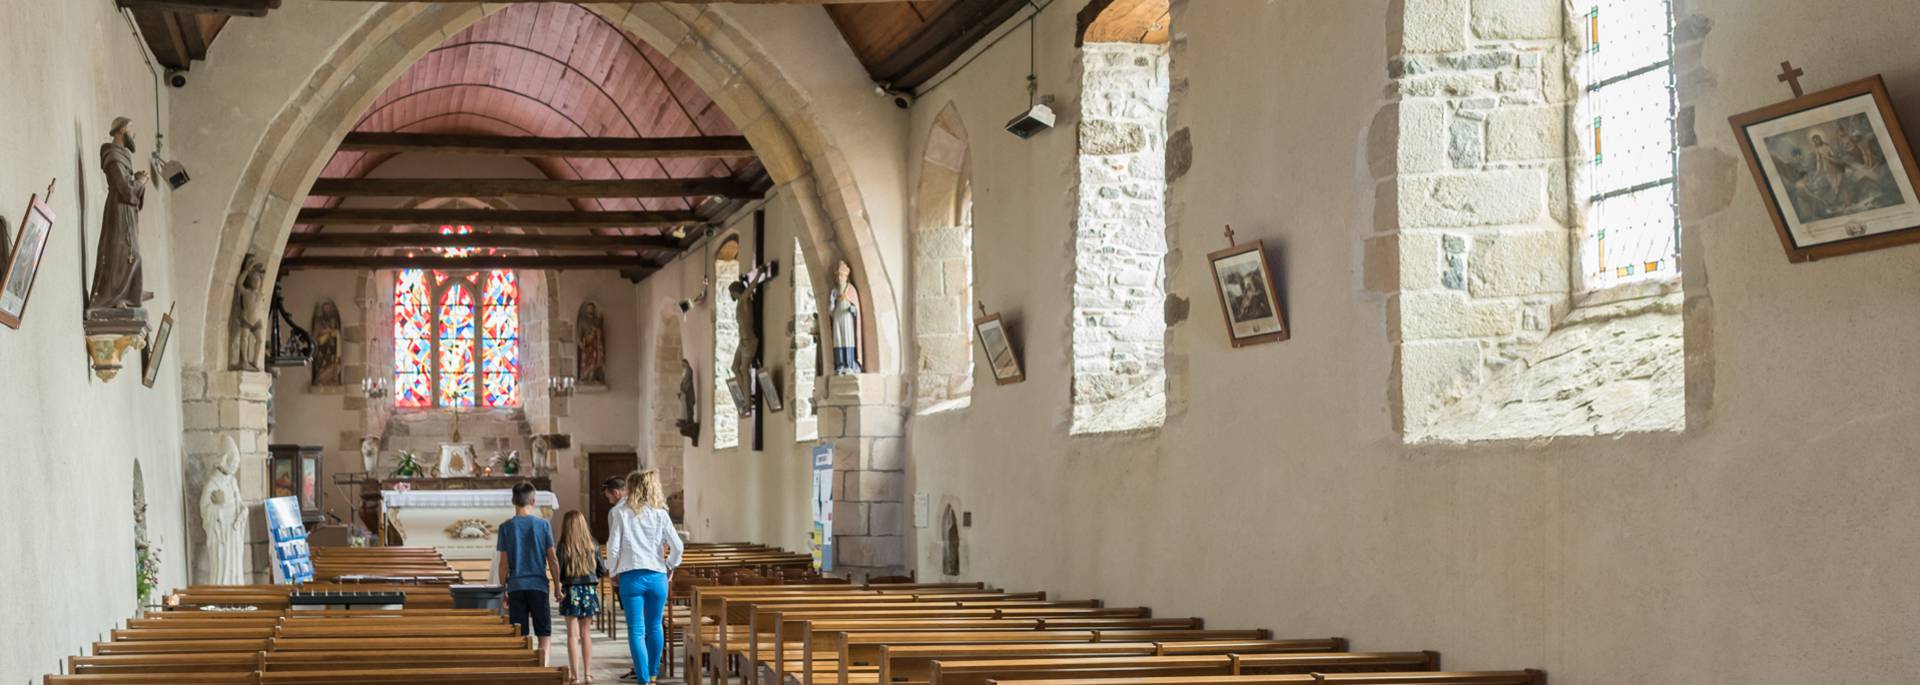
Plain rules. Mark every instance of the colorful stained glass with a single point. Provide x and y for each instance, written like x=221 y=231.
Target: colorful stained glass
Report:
x=447 y=341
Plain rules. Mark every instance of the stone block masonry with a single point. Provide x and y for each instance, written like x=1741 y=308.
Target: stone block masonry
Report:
x=1119 y=291
x=864 y=418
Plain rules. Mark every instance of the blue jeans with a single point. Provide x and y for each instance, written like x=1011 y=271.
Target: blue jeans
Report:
x=645 y=592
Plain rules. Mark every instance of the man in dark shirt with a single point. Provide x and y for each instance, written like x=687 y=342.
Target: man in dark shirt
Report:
x=528 y=563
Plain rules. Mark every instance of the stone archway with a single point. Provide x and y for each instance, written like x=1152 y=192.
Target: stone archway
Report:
x=669 y=446
x=942 y=275
x=706 y=43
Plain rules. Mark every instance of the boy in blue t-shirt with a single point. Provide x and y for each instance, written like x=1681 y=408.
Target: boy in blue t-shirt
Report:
x=528 y=563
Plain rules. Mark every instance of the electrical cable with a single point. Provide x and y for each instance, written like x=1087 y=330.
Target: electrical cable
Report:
x=928 y=88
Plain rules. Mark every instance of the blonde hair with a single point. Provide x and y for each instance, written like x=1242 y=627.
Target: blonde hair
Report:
x=578 y=552
x=643 y=491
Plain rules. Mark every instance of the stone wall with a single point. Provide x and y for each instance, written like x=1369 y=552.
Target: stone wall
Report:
x=726 y=341
x=1119 y=325
x=804 y=334
x=864 y=417
x=1482 y=191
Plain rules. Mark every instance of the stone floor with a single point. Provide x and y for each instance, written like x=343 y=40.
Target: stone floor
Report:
x=610 y=657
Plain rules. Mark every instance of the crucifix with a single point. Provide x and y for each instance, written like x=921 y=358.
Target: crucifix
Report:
x=1230 y=241
x=1790 y=75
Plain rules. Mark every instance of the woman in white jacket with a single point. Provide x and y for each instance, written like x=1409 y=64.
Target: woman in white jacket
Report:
x=638 y=531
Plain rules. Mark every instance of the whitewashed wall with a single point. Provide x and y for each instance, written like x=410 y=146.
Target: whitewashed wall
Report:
x=70 y=441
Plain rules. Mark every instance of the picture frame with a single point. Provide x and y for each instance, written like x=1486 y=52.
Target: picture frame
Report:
x=23 y=263
x=771 y=392
x=1851 y=194
x=997 y=343
x=1249 y=302
x=156 y=351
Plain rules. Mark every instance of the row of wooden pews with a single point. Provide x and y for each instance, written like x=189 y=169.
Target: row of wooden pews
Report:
x=268 y=643
x=971 y=634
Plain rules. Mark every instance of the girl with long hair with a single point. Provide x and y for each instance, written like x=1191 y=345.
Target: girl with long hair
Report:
x=580 y=573
x=637 y=530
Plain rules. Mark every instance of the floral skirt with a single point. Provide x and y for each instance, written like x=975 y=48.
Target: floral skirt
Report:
x=580 y=601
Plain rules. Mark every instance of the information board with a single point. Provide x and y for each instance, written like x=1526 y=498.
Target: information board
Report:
x=292 y=560
x=821 y=543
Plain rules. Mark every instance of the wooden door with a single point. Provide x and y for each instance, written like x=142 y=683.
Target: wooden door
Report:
x=600 y=467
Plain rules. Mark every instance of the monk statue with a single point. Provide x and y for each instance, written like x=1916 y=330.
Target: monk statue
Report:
x=249 y=316
x=844 y=307
x=370 y=453
x=223 y=515
x=117 y=278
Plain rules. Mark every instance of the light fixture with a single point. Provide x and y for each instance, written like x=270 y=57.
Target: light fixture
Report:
x=173 y=171
x=373 y=387
x=1038 y=117
x=561 y=386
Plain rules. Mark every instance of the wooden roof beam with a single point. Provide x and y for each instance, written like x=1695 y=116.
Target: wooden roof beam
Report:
x=478 y=262
x=530 y=187
x=605 y=243
x=239 y=8
x=526 y=146
x=462 y=216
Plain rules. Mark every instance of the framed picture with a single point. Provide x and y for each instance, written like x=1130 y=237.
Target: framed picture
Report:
x=23 y=264
x=1247 y=296
x=998 y=347
x=156 y=351
x=1835 y=170
x=771 y=392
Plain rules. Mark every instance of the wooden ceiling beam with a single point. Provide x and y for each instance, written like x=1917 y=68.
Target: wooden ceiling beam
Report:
x=530 y=187
x=371 y=263
x=526 y=241
x=461 y=216
x=526 y=146
x=637 y=2
x=239 y=8
x=942 y=41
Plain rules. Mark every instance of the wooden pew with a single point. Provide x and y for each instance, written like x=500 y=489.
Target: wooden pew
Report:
x=708 y=607
x=982 y=672
x=914 y=663
x=775 y=626
x=856 y=643
x=1527 y=677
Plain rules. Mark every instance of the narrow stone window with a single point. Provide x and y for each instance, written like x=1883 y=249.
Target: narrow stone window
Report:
x=1626 y=125
x=949 y=543
x=1120 y=244
x=806 y=349
x=943 y=271
x=726 y=339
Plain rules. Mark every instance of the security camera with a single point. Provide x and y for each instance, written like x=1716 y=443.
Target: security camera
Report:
x=1031 y=122
x=901 y=98
x=176 y=78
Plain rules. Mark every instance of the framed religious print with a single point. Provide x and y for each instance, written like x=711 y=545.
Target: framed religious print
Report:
x=156 y=351
x=23 y=264
x=998 y=346
x=1248 y=298
x=1835 y=171
x=771 y=392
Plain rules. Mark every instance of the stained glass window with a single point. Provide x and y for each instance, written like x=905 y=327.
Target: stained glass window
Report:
x=456 y=336
x=1632 y=227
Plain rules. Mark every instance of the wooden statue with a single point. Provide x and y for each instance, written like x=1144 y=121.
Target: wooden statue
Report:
x=249 y=316
x=844 y=307
x=223 y=516
x=117 y=276
x=327 y=369
x=689 y=423
x=744 y=292
x=591 y=330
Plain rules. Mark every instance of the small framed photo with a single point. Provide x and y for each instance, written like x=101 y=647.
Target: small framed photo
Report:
x=771 y=392
x=1835 y=170
x=742 y=399
x=998 y=346
x=1247 y=295
x=156 y=351
x=23 y=264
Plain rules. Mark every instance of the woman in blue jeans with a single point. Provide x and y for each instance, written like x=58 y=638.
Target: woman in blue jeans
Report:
x=638 y=532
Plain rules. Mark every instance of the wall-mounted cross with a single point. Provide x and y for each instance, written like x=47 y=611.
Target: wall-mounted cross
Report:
x=1790 y=75
x=1230 y=242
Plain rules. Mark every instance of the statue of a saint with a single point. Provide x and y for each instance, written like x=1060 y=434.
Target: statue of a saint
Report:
x=542 y=453
x=689 y=423
x=249 y=316
x=844 y=307
x=370 y=454
x=223 y=515
x=117 y=278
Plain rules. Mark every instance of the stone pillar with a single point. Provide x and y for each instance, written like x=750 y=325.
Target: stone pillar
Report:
x=865 y=417
x=219 y=404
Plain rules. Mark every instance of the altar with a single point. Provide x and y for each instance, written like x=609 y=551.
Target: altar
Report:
x=455 y=517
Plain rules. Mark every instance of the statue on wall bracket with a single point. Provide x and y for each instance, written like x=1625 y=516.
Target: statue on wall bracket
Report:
x=249 y=316
x=844 y=307
x=746 y=357
x=689 y=423
x=116 y=319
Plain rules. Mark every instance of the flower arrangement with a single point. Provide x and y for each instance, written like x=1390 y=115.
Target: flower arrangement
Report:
x=409 y=465
x=146 y=572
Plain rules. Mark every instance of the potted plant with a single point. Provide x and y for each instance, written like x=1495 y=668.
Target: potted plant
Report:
x=409 y=465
